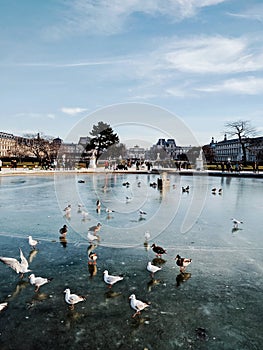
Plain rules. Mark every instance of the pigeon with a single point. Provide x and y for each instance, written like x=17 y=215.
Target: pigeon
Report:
x=236 y=222
x=72 y=299
x=38 y=281
x=182 y=262
x=111 y=280
x=137 y=305
x=158 y=250
x=3 y=306
x=32 y=242
x=152 y=268
x=19 y=267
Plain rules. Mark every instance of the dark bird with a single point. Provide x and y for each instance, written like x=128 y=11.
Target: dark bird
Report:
x=182 y=262
x=158 y=250
x=185 y=189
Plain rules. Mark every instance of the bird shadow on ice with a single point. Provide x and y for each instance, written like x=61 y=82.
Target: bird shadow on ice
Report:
x=21 y=285
x=153 y=283
x=236 y=229
x=158 y=261
x=32 y=255
x=182 y=277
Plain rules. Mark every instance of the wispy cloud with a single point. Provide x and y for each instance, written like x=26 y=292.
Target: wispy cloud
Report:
x=36 y=116
x=214 y=54
x=253 y=13
x=73 y=110
x=243 y=86
x=111 y=17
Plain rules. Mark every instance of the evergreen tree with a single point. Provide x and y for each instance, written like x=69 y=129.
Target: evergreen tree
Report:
x=102 y=137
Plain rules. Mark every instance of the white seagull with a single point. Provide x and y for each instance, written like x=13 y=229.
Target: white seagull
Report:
x=38 y=281
x=137 y=305
x=111 y=280
x=19 y=267
x=72 y=299
x=152 y=268
x=236 y=222
x=32 y=242
x=67 y=210
x=3 y=306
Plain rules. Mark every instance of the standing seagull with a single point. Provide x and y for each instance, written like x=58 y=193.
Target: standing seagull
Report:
x=38 y=281
x=19 y=267
x=32 y=242
x=72 y=299
x=67 y=210
x=182 y=262
x=137 y=305
x=152 y=268
x=111 y=280
x=158 y=250
x=236 y=222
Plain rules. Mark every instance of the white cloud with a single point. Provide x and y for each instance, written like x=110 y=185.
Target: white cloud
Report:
x=73 y=110
x=111 y=16
x=212 y=55
x=244 y=86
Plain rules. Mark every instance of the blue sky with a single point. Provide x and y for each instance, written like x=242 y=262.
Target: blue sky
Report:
x=65 y=61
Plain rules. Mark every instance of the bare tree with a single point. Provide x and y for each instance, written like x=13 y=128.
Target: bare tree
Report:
x=244 y=131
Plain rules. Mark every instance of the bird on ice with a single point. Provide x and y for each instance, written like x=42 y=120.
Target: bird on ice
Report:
x=110 y=279
x=152 y=268
x=108 y=211
x=182 y=262
x=147 y=236
x=72 y=299
x=38 y=281
x=137 y=305
x=142 y=212
x=236 y=222
x=67 y=210
x=18 y=267
x=3 y=306
x=95 y=228
x=32 y=242
x=158 y=250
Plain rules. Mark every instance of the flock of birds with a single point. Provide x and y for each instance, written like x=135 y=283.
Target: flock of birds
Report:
x=22 y=267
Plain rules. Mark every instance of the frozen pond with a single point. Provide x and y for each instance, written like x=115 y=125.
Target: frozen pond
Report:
x=216 y=304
